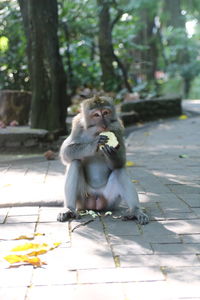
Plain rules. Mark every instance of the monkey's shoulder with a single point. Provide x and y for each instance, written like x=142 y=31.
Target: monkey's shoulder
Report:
x=77 y=122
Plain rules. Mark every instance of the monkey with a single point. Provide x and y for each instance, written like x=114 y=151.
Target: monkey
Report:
x=96 y=177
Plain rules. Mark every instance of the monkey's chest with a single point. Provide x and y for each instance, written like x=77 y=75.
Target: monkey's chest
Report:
x=96 y=171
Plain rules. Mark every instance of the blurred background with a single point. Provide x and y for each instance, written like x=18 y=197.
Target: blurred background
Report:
x=64 y=51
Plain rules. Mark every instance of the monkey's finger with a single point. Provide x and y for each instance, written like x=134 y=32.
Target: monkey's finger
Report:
x=111 y=150
x=114 y=150
x=103 y=139
x=107 y=150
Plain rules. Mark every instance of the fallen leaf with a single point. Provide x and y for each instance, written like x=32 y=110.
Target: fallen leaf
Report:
x=183 y=117
x=93 y=214
x=130 y=163
x=31 y=237
x=28 y=246
x=135 y=181
x=55 y=245
x=32 y=250
x=117 y=261
x=50 y=155
x=7 y=185
x=35 y=261
x=25 y=237
x=146 y=133
x=183 y=156
x=108 y=213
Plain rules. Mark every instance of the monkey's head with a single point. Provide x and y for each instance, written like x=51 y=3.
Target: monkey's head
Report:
x=98 y=112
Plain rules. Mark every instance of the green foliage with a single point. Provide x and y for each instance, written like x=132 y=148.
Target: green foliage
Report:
x=177 y=53
x=194 y=92
x=14 y=74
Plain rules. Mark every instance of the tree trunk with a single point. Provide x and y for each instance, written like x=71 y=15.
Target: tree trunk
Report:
x=109 y=77
x=177 y=20
x=48 y=80
x=147 y=38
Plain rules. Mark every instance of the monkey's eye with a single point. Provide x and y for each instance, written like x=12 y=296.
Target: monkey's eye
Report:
x=96 y=115
x=106 y=112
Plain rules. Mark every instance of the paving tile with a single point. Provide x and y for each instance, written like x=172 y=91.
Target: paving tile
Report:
x=77 y=292
x=20 y=277
x=184 y=274
x=54 y=231
x=157 y=260
x=154 y=211
x=119 y=227
x=23 y=211
x=146 y=238
x=196 y=211
x=132 y=248
x=120 y=275
x=49 y=214
x=175 y=214
x=83 y=228
x=53 y=276
x=161 y=290
x=14 y=230
x=193 y=200
x=13 y=293
x=184 y=189
x=155 y=227
x=176 y=248
x=190 y=238
x=3 y=214
x=20 y=219
x=74 y=258
x=181 y=226
x=89 y=241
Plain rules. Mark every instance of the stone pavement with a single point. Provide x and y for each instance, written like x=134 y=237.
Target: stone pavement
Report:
x=106 y=258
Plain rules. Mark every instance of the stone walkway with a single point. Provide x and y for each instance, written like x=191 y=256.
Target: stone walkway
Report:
x=106 y=258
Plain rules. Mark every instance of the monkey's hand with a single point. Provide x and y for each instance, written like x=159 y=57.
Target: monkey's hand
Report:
x=138 y=215
x=68 y=215
x=102 y=140
x=109 y=151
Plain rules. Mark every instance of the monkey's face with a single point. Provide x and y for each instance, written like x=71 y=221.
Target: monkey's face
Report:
x=100 y=118
x=98 y=113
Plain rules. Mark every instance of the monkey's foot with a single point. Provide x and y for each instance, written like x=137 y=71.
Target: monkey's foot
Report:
x=66 y=216
x=139 y=215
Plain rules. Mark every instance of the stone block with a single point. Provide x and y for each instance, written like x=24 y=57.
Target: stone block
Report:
x=13 y=144
x=31 y=143
x=15 y=105
x=152 y=109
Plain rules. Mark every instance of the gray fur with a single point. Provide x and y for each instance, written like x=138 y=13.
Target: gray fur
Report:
x=95 y=172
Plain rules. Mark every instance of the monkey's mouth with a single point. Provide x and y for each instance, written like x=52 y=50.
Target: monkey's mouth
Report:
x=101 y=130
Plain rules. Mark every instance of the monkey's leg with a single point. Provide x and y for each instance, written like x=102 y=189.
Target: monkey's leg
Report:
x=73 y=185
x=120 y=184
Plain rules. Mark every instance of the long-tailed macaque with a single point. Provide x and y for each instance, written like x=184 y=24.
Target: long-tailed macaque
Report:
x=96 y=177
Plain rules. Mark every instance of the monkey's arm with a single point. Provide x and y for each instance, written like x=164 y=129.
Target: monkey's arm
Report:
x=115 y=157
x=74 y=147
